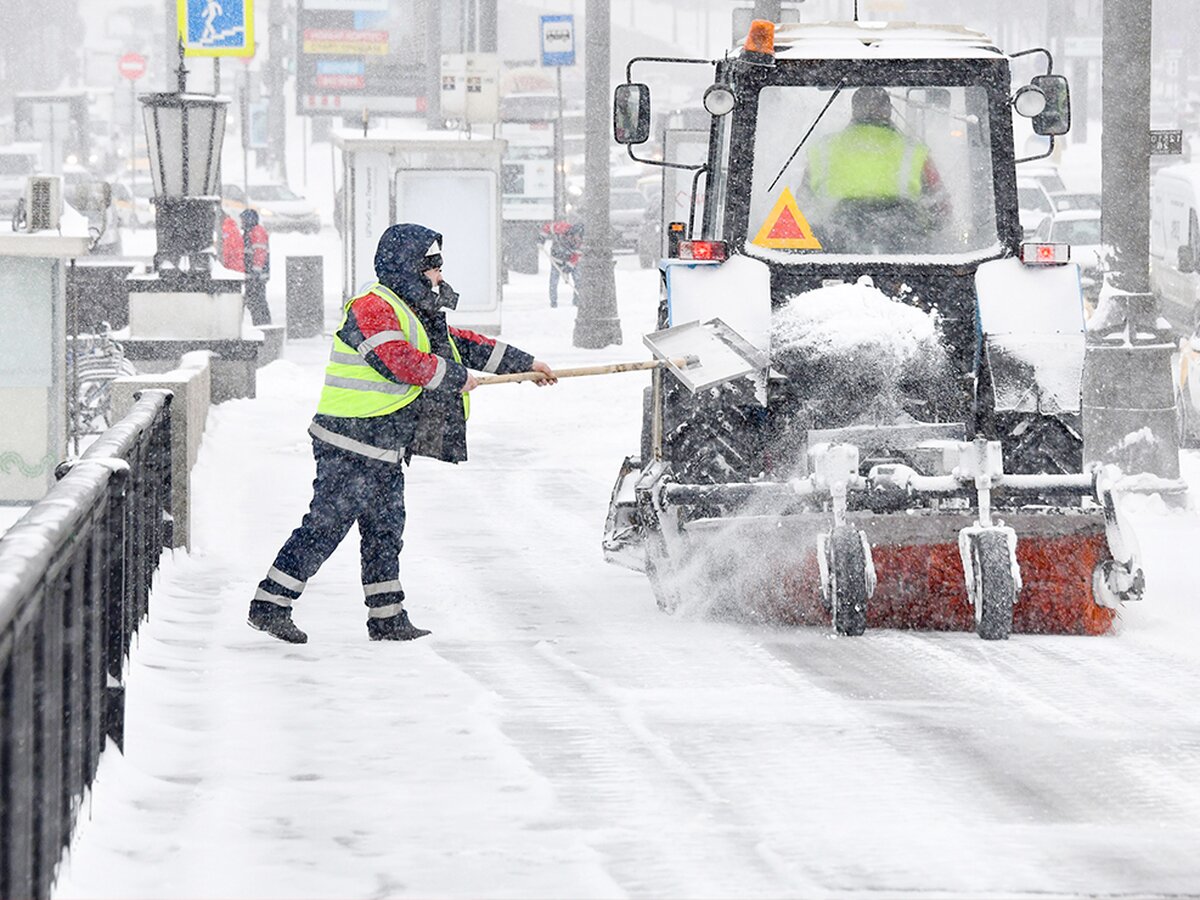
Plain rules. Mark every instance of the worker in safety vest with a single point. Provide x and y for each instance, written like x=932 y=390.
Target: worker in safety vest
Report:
x=870 y=181
x=397 y=385
x=256 y=256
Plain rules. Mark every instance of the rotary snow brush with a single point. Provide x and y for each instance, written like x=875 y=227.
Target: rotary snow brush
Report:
x=681 y=363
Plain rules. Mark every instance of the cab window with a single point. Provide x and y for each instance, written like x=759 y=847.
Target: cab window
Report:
x=887 y=169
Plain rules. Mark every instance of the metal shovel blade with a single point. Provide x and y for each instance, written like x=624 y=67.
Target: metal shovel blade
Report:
x=723 y=353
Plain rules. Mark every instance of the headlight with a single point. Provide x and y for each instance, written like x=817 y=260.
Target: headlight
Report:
x=1029 y=101
x=719 y=99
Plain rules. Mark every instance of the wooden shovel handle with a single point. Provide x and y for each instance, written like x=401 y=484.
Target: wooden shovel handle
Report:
x=583 y=370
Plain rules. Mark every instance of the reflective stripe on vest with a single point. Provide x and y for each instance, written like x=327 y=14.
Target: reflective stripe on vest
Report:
x=867 y=162
x=353 y=389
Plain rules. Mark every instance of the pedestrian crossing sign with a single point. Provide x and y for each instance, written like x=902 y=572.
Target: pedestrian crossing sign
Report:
x=216 y=27
x=786 y=228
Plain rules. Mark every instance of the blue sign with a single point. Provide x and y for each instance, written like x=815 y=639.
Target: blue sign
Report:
x=216 y=27
x=558 y=40
x=341 y=67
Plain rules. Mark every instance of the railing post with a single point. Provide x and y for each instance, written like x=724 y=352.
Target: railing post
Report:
x=116 y=608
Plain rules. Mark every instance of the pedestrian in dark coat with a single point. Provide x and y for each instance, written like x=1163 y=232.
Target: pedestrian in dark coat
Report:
x=257 y=266
x=396 y=386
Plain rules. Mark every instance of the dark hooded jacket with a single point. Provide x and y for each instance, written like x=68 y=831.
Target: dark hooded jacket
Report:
x=433 y=425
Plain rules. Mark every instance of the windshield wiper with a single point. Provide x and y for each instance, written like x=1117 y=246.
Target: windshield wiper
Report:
x=828 y=103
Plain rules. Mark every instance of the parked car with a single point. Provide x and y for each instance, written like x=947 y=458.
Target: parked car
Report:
x=1045 y=174
x=134 y=209
x=1033 y=202
x=93 y=198
x=123 y=205
x=1067 y=200
x=279 y=208
x=626 y=211
x=1187 y=391
x=17 y=162
x=1081 y=229
x=650 y=233
x=1175 y=242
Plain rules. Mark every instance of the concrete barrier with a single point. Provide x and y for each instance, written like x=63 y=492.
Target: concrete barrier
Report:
x=305 y=296
x=272 y=345
x=191 y=383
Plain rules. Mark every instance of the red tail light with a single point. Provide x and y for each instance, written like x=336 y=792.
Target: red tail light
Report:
x=703 y=250
x=1045 y=254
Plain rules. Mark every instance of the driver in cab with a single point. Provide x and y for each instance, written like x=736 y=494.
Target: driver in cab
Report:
x=877 y=188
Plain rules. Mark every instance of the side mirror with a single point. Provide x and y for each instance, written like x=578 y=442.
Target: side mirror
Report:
x=1187 y=260
x=1055 y=118
x=631 y=113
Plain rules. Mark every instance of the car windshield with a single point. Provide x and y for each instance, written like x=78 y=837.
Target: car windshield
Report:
x=887 y=170
x=271 y=192
x=1077 y=201
x=1077 y=231
x=1032 y=198
x=627 y=200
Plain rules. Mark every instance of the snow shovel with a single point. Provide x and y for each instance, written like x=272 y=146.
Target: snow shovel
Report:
x=679 y=350
x=682 y=362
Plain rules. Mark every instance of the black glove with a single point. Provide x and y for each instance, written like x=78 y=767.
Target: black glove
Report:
x=447 y=296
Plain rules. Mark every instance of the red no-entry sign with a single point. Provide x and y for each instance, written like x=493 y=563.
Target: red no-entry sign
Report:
x=132 y=66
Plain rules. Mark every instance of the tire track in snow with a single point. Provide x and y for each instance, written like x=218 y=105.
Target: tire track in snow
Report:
x=1004 y=739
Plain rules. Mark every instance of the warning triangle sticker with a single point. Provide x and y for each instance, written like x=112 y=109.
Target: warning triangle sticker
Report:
x=786 y=228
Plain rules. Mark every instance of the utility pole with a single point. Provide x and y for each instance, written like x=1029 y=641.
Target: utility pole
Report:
x=431 y=11
x=276 y=74
x=170 y=44
x=1128 y=383
x=487 y=26
x=596 y=322
x=1125 y=144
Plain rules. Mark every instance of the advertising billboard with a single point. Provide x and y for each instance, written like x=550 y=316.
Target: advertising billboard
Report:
x=356 y=54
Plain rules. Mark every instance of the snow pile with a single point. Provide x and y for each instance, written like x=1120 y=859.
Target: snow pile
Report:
x=857 y=356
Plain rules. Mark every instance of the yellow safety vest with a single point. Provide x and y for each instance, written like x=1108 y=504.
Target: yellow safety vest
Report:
x=353 y=389
x=867 y=162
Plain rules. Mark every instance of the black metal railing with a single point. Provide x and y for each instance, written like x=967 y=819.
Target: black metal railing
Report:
x=75 y=578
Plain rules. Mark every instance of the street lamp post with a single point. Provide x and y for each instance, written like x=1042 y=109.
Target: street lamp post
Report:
x=184 y=134
x=185 y=303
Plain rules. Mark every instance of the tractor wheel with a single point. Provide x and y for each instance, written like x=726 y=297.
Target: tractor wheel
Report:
x=1033 y=443
x=715 y=436
x=848 y=580
x=997 y=589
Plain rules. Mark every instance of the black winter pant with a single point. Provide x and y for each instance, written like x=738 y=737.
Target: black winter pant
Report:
x=256 y=300
x=348 y=488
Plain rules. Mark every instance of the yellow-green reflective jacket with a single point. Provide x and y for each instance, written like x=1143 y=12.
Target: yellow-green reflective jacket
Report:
x=867 y=162
x=353 y=389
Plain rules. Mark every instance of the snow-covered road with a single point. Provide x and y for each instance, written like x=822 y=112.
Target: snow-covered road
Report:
x=558 y=736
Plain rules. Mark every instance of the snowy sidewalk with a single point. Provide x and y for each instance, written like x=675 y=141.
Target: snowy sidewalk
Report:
x=558 y=736
x=343 y=767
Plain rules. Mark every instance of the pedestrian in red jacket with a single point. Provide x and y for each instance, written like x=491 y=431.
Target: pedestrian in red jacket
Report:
x=232 y=253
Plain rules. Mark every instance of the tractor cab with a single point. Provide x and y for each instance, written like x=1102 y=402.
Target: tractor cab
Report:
x=864 y=147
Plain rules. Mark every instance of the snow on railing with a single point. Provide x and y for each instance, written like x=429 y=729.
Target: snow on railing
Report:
x=75 y=577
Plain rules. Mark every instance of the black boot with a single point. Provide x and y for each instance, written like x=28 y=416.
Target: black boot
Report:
x=394 y=628
x=276 y=621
